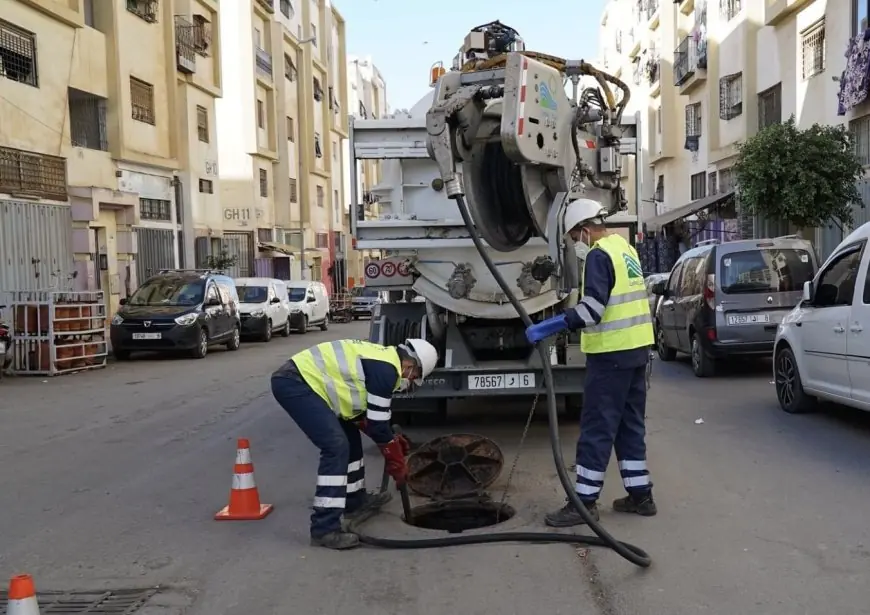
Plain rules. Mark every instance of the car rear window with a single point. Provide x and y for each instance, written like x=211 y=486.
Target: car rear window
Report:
x=767 y=270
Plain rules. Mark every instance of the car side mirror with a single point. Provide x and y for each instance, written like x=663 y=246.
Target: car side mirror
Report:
x=311 y=300
x=659 y=289
x=213 y=302
x=275 y=300
x=122 y=301
x=809 y=291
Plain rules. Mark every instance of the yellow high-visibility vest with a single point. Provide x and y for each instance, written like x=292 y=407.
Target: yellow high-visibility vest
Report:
x=334 y=371
x=626 y=323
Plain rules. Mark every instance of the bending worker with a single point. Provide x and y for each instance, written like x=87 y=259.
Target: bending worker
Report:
x=613 y=314
x=334 y=391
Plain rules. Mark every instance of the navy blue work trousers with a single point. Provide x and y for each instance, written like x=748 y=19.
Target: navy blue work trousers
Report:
x=613 y=417
x=341 y=472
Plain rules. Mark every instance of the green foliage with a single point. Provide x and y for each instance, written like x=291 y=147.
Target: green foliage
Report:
x=804 y=176
x=222 y=261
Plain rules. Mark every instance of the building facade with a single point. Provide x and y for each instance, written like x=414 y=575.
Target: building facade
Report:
x=367 y=100
x=100 y=164
x=280 y=133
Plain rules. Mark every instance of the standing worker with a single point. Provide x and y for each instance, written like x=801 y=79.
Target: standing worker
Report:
x=334 y=391
x=613 y=314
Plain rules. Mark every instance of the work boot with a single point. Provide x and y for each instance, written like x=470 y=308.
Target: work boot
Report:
x=567 y=516
x=340 y=541
x=637 y=503
x=371 y=504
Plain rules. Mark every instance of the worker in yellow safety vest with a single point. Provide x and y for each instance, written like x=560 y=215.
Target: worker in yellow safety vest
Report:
x=617 y=333
x=334 y=391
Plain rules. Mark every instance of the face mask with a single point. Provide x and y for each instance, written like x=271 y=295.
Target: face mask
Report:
x=404 y=384
x=581 y=249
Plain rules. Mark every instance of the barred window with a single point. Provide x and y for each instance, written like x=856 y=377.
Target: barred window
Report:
x=860 y=129
x=264 y=183
x=206 y=186
x=201 y=35
x=87 y=120
x=320 y=196
x=728 y=9
x=321 y=240
x=712 y=187
x=290 y=71
x=155 y=209
x=142 y=101
x=698 y=185
x=18 y=55
x=318 y=90
x=202 y=123
x=146 y=9
x=693 y=120
x=294 y=191
x=813 y=50
x=318 y=149
x=731 y=96
x=30 y=173
x=770 y=107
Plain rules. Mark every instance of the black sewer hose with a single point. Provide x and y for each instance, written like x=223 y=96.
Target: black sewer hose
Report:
x=602 y=538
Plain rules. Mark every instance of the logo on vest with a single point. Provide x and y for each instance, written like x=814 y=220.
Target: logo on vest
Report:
x=633 y=266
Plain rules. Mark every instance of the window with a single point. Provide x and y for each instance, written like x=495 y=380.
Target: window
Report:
x=18 y=55
x=335 y=204
x=318 y=150
x=261 y=114
x=264 y=183
x=87 y=120
x=258 y=38
x=711 y=184
x=318 y=90
x=836 y=284
x=206 y=186
x=201 y=35
x=362 y=111
x=89 y=14
x=314 y=35
x=146 y=9
x=659 y=119
x=334 y=150
x=860 y=12
x=728 y=9
x=693 y=120
x=660 y=189
x=674 y=280
x=290 y=71
x=23 y=172
x=731 y=96
x=320 y=196
x=321 y=240
x=170 y=290
x=142 y=101
x=291 y=130
x=294 y=191
x=212 y=294
x=253 y=294
x=860 y=129
x=202 y=123
x=698 y=185
x=765 y=270
x=694 y=276
x=287 y=9
x=155 y=209
x=813 y=50
x=770 y=107
x=726 y=180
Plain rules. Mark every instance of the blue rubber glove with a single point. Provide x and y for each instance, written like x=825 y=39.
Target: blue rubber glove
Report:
x=546 y=328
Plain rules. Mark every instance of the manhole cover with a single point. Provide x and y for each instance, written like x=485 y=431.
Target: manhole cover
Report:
x=115 y=602
x=454 y=466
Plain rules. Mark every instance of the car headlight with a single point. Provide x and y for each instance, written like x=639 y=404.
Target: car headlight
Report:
x=117 y=320
x=186 y=319
x=295 y=310
x=258 y=313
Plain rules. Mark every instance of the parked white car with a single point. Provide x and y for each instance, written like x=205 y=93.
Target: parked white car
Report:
x=263 y=307
x=822 y=347
x=309 y=305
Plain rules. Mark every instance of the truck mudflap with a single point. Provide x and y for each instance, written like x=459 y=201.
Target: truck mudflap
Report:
x=495 y=382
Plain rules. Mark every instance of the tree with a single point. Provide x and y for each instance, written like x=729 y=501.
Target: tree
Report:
x=222 y=261
x=804 y=176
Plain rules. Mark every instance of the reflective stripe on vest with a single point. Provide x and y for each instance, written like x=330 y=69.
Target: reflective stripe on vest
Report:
x=626 y=322
x=334 y=371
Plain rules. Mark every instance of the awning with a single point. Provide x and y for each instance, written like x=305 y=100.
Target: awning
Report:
x=283 y=248
x=692 y=208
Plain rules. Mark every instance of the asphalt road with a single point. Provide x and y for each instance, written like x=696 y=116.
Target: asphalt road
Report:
x=111 y=479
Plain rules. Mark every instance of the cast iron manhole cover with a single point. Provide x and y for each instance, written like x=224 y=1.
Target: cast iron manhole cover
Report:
x=454 y=466
x=115 y=602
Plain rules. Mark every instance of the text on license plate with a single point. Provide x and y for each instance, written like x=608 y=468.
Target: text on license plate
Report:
x=479 y=382
x=748 y=319
x=147 y=336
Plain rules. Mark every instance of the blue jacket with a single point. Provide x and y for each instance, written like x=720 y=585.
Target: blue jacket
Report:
x=381 y=378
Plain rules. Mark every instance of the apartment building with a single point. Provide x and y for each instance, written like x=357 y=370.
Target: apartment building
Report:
x=280 y=133
x=100 y=167
x=367 y=100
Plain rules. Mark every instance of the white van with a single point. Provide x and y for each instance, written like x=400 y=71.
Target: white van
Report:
x=264 y=307
x=309 y=305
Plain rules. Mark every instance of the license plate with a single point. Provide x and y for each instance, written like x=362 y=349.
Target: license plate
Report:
x=748 y=319
x=479 y=382
x=147 y=336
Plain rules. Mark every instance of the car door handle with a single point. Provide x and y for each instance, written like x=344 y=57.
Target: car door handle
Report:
x=856 y=329
x=839 y=329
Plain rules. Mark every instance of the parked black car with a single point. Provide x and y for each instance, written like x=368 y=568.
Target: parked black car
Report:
x=178 y=310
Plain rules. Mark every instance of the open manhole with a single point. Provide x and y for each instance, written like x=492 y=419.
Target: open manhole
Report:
x=117 y=602
x=457 y=516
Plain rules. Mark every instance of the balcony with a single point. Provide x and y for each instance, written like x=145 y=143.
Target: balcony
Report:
x=690 y=64
x=652 y=13
x=268 y=5
x=31 y=174
x=776 y=11
x=185 y=46
x=653 y=70
x=263 y=63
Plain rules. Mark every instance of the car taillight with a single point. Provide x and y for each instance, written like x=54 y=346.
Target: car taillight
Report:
x=710 y=290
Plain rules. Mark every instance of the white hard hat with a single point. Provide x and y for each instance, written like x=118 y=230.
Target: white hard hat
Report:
x=425 y=354
x=582 y=211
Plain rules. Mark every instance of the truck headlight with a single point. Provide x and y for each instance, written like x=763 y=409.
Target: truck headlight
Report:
x=185 y=320
x=117 y=320
x=258 y=313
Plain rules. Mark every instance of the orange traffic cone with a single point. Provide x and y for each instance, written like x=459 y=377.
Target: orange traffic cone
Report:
x=244 y=498
x=22 y=596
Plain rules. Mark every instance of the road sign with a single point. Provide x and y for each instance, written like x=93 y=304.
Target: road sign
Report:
x=404 y=269
x=388 y=269
x=373 y=270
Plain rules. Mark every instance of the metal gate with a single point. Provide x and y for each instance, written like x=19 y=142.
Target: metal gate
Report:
x=241 y=246
x=35 y=246
x=156 y=251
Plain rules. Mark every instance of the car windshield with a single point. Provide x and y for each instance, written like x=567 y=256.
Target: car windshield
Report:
x=362 y=291
x=296 y=294
x=765 y=271
x=252 y=294
x=169 y=291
